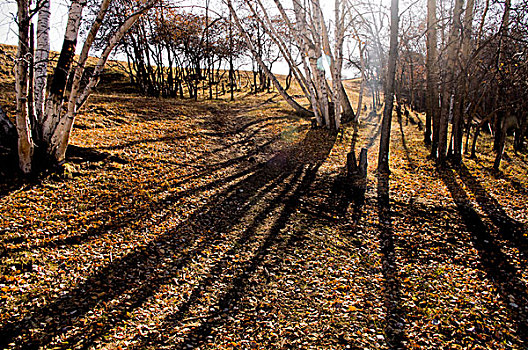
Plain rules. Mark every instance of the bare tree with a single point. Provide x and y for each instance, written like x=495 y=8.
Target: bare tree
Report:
x=383 y=159
x=315 y=46
x=432 y=116
x=53 y=125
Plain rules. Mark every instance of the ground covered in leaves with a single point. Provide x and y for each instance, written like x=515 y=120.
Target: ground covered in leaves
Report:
x=217 y=225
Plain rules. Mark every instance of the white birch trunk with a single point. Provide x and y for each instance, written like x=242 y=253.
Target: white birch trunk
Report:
x=281 y=45
x=305 y=61
x=298 y=108
x=61 y=135
x=25 y=142
x=60 y=76
x=363 y=79
x=450 y=84
x=313 y=51
x=41 y=59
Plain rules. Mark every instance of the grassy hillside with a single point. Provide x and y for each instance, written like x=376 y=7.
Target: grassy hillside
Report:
x=218 y=225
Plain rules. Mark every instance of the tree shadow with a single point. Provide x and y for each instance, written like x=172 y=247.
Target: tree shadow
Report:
x=404 y=142
x=112 y=220
x=395 y=321
x=518 y=186
x=509 y=229
x=422 y=216
x=128 y=282
x=237 y=285
x=373 y=117
x=506 y=278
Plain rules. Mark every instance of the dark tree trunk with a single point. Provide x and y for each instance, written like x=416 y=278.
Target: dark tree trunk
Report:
x=383 y=160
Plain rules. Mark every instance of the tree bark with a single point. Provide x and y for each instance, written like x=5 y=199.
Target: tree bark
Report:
x=432 y=118
x=449 y=82
x=458 y=122
x=25 y=141
x=41 y=59
x=363 y=79
x=383 y=159
x=60 y=75
x=298 y=108
x=61 y=135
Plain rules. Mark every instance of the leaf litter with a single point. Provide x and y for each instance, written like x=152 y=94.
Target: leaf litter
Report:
x=211 y=225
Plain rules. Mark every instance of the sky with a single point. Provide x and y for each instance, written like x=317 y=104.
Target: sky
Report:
x=8 y=27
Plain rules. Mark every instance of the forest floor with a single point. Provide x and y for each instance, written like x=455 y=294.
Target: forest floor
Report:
x=217 y=225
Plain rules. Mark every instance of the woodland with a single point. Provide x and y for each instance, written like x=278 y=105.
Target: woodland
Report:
x=265 y=174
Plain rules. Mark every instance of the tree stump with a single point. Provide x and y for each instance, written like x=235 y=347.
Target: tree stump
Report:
x=357 y=173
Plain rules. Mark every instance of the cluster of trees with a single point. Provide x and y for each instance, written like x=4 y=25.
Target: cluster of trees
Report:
x=463 y=63
x=45 y=112
x=171 y=53
x=471 y=72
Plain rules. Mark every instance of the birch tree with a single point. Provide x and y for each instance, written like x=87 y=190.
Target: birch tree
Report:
x=23 y=127
x=49 y=143
x=311 y=34
x=449 y=80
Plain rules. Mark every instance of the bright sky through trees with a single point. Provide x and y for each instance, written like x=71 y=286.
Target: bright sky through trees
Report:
x=59 y=14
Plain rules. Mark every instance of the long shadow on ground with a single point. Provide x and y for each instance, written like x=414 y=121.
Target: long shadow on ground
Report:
x=494 y=262
x=395 y=322
x=509 y=229
x=127 y=283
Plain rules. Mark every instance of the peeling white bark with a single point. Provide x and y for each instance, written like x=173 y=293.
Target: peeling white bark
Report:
x=61 y=135
x=60 y=76
x=41 y=59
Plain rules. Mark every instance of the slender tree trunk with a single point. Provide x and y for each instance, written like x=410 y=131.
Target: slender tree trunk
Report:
x=62 y=132
x=276 y=37
x=363 y=80
x=432 y=118
x=312 y=85
x=474 y=143
x=31 y=85
x=231 y=67
x=298 y=108
x=60 y=76
x=458 y=122
x=449 y=81
x=383 y=159
x=500 y=119
x=60 y=139
x=502 y=139
x=41 y=59
x=25 y=142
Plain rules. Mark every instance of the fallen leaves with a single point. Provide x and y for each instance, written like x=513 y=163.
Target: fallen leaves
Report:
x=219 y=229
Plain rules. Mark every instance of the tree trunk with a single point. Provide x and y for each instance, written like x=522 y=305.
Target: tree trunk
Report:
x=41 y=59
x=501 y=133
x=383 y=159
x=61 y=136
x=449 y=82
x=60 y=75
x=312 y=85
x=458 y=122
x=25 y=141
x=363 y=80
x=298 y=108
